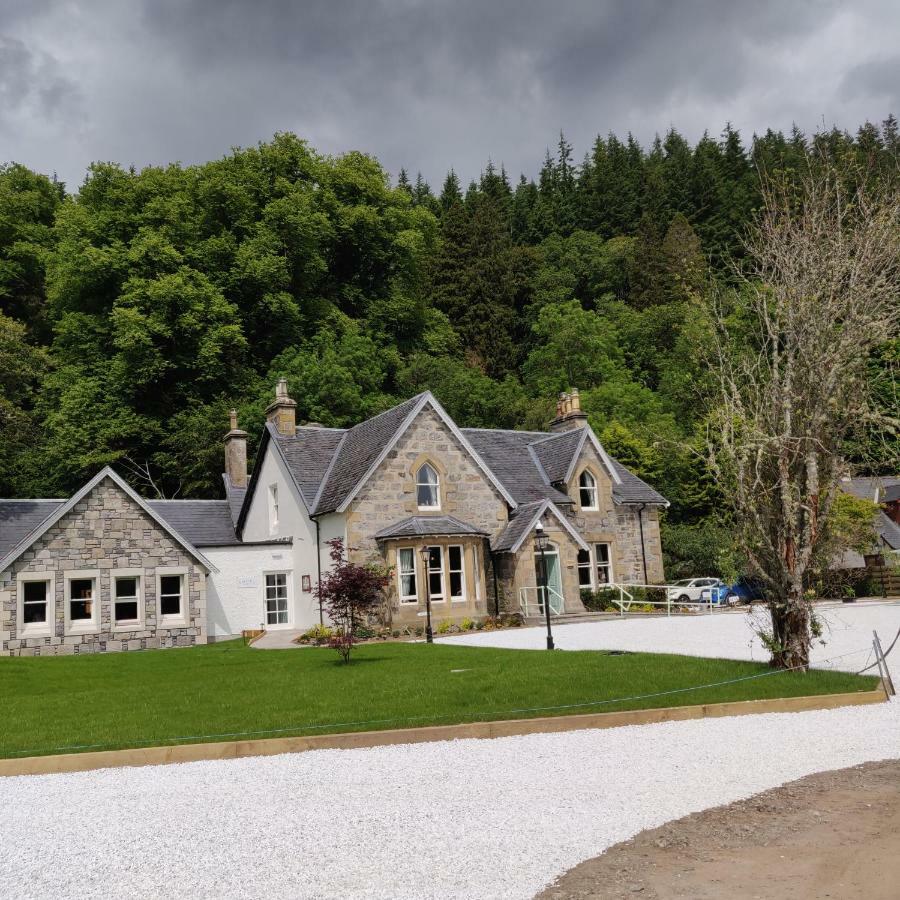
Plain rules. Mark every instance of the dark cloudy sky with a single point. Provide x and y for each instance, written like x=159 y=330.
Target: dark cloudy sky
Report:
x=426 y=85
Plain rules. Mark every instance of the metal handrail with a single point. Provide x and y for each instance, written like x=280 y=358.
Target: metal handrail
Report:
x=555 y=609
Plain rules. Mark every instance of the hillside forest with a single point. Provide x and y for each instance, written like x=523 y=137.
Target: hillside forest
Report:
x=137 y=309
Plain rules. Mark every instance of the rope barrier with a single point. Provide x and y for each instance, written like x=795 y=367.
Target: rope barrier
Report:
x=408 y=719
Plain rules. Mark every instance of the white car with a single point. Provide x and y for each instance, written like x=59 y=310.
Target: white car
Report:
x=693 y=590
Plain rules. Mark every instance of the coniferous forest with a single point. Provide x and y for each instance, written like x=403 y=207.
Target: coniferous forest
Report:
x=137 y=309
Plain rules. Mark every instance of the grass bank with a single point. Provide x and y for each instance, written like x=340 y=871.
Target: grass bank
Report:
x=227 y=691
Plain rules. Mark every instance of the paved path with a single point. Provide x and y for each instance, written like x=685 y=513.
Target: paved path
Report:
x=277 y=640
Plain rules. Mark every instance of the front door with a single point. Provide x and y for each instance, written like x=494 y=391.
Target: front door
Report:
x=551 y=577
x=277 y=612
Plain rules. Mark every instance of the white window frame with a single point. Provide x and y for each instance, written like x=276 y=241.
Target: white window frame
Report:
x=476 y=572
x=35 y=629
x=589 y=565
x=591 y=489
x=273 y=508
x=407 y=599
x=442 y=597
x=173 y=621
x=436 y=485
x=608 y=565
x=461 y=598
x=288 y=578
x=81 y=626
x=126 y=625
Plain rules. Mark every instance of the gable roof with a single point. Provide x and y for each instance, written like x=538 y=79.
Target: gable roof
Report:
x=523 y=522
x=871 y=488
x=329 y=466
x=509 y=456
x=363 y=448
x=18 y=518
x=433 y=526
x=557 y=452
x=66 y=506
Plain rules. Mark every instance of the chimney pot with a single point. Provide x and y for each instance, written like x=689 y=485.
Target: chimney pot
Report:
x=569 y=414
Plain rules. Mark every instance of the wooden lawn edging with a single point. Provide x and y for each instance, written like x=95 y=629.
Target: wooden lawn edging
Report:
x=182 y=753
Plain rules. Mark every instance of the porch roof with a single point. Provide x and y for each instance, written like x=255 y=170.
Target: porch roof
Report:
x=429 y=526
x=523 y=523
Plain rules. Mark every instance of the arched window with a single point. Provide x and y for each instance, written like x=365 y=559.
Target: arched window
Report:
x=428 y=488
x=587 y=490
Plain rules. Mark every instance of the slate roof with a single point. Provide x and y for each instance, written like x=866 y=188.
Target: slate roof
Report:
x=235 y=497
x=507 y=455
x=555 y=453
x=18 y=518
x=524 y=519
x=359 y=448
x=632 y=489
x=203 y=523
x=309 y=454
x=865 y=487
x=888 y=530
x=417 y=526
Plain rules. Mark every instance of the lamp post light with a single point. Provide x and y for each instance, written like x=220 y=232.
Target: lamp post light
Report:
x=540 y=544
x=426 y=558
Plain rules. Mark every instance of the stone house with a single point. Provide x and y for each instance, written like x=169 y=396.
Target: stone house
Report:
x=452 y=511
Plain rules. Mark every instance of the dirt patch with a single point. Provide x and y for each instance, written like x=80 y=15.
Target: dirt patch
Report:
x=834 y=834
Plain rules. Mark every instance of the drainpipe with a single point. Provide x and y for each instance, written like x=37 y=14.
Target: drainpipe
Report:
x=641 y=509
x=496 y=583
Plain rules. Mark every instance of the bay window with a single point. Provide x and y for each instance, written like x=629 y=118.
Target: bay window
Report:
x=455 y=574
x=435 y=575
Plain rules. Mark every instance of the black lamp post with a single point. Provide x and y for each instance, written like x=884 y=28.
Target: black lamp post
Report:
x=426 y=558
x=540 y=544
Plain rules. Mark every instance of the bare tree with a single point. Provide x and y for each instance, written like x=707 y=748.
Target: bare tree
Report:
x=141 y=474
x=818 y=295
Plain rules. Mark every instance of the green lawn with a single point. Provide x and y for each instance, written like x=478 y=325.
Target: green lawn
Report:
x=224 y=691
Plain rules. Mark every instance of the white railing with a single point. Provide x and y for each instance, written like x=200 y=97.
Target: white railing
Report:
x=531 y=601
x=627 y=598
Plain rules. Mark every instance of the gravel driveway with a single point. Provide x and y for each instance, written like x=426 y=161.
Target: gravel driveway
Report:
x=847 y=630
x=464 y=819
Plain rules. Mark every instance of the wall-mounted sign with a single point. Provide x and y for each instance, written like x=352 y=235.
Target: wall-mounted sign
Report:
x=248 y=581
x=306 y=582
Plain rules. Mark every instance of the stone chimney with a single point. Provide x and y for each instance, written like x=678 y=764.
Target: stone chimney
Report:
x=282 y=411
x=236 y=453
x=568 y=412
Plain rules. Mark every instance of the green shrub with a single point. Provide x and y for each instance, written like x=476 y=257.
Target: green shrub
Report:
x=479 y=626
x=602 y=600
x=318 y=634
x=363 y=632
x=444 y=627
x=467 y=624
x=395 y=633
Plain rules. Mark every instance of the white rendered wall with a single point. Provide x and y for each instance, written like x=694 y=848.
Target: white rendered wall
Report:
x=235 y=594
x=293 y=522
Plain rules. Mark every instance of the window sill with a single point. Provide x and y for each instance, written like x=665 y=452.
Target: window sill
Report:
x=90 y=628
x=128 y=626
x=41 y=632
x=172 y=622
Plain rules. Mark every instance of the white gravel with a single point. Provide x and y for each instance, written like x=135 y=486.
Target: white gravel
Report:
x=847 y=630
x=462 y=819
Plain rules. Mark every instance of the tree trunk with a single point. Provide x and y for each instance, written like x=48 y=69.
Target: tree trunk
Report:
x=791 y=633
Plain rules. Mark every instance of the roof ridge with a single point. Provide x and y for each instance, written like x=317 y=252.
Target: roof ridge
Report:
x=510 y=431
x=384 y=412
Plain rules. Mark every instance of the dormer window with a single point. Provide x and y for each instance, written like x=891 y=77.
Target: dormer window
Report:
x=428 y=488
x=587 y=490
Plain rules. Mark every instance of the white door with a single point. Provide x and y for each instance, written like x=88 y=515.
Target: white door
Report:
x=277 y=608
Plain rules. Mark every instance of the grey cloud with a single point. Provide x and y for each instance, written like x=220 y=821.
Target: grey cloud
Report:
x=429 y=85
x=32 y=82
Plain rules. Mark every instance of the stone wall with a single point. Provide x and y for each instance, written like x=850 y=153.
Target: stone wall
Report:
x=105 y=533
x=390 y=495
x=617 y=525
